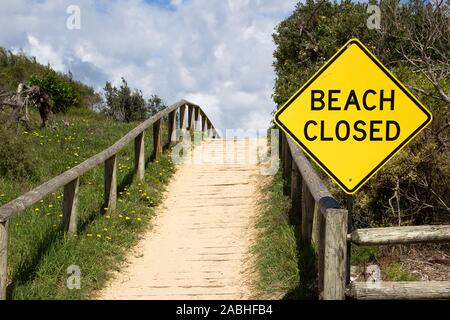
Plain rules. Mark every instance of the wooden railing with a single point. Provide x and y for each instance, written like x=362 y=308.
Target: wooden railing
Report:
x=69 y=180
x=323 y=223
x=325 y=226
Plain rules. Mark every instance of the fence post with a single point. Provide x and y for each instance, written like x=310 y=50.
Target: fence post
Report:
x=191 y=117
x=296 y=184
x=197 y=119
x=335 y=252
x=287 y=165
x=111 y=183
x=157 y=146
x=209 y=129
x=204 y=121
x=280 y=145
x=315 y=234
x=139 y=156
x=3 y=258
x=172 y=127
x=308 y=204
x=70 y=206
x=183 y=117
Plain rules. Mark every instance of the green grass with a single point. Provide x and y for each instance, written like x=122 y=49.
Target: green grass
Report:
x=365 y=254
x=393 y=272
x=275 y=249
x=39 y=251
x=390 y=271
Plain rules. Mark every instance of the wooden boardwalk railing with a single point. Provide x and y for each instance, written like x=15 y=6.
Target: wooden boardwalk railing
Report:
x=323 y=223
x=69 y=180
x=325 y=226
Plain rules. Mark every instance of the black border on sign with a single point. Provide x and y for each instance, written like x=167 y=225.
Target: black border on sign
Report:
x=387 y=73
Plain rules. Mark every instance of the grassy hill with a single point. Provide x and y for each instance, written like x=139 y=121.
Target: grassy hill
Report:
x=40 y=252
x=17 y=68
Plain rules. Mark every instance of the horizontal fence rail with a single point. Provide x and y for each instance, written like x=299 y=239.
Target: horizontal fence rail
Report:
x=400 y=235
x=325 y=226
x=323 y=222
x=69 y=180
x=400 y=290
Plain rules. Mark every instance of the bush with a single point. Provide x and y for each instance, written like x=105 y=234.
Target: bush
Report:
x=413 y=187
x=62 y=93
x=16 y=159
x=124 y=104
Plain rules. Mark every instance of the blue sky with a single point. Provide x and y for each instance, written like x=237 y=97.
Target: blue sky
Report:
x=217 y=53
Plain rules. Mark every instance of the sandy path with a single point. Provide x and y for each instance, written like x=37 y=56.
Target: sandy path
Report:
x=198 y=246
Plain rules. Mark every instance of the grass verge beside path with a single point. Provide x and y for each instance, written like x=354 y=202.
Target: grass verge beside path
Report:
x=275 y=248
x=39 y=251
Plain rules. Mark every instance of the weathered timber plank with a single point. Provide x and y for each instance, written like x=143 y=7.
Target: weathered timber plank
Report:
x=308 y=204
x=405 y=290
x=70 y=206
x=209 y=129
x=157 y=144
x=335 y=252
x=139 y=156
x=296 y=185
x=191 y=118
x=401 y=235
x=197 y=119
x=111 y=183
x=204 y=126
x=321 y=254
x=316 y=186
x=172 y=127
x=287 y=164
x=315 y=234
x=183 y=117
x=3 y=259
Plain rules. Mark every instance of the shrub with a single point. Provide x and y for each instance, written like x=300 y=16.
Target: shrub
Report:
x=124 y=104
x=16 y=159
x=62 y=93
x=413 y=187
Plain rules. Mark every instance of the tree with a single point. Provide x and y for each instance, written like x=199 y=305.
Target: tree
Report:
x=123 y=104
x=155 y=105
x=414 y=42
x=20 y=101
x=63 y=95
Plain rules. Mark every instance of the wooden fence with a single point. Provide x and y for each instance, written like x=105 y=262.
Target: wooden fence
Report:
x=69 y=180
x=325 y=225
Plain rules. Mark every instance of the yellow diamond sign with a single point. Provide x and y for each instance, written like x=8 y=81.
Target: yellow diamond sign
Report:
x=352 y=116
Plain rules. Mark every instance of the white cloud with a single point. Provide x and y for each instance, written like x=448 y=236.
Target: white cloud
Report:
x=44 y=53
x=216 y=52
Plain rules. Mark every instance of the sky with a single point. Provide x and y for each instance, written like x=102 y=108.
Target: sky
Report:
x=217 y=53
